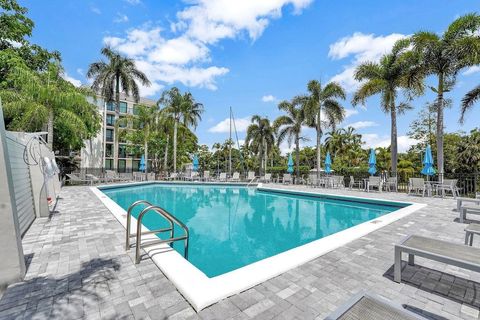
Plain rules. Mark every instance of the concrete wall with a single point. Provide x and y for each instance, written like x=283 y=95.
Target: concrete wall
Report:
x=12 y=262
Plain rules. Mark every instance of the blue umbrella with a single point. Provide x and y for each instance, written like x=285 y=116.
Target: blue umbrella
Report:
x=142 y=164
x=328 y=163
x=428 y=169
x=290 y=164
x=195 y=163
x=372 y=161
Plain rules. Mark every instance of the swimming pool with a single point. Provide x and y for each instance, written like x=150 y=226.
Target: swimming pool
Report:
x=241 y=236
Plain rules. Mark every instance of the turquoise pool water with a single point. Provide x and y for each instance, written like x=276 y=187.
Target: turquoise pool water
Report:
x=233 y=226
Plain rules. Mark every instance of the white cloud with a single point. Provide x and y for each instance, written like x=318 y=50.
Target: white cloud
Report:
x=212 y=20
x=471 y=70
x=350 y=112
x=75 y=82
x=362 y=124
x=224 y=126
x=80 y=71
x=133 y=2
x=121 y=17
x=361 y=48
x=95 y=10
x=269 y=98
x=373 y=140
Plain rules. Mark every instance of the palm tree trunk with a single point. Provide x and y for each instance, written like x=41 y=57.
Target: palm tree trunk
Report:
x=440 y=126
x=393 y=142
x=266 y=158
x=117 y=117
x=175 y=128
x=319 y=138
x=50 y=129
x=146 y=159
x=165 y=159
x=297 y=157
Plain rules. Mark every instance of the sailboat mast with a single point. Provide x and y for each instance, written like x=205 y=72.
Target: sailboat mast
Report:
x=230 y=146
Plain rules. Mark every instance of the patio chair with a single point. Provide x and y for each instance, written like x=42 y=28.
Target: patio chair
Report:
x=138 y=176
x=267 y=178
x=173 y=176
x=206 y=175
x=448 y=185
x=365 y=305
x=391 y=183
x=287 y=178
x=473 y=209
x=94 y=179
x=235 y=177
x=354 y=183
x=222 y=177
x=375 y=182
x=151 y=176
x=193 y=176
x=74 y=179
x=251 y=176
x=417 y=185
x=459 y=255
x=338 y=182
x=112 y=176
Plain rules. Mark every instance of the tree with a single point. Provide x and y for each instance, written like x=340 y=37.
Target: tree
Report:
x=182 y=109
x=324 y=99
x=468 y=101
x=422 y=127
x=260 y=138
x=393 y=72
x=37 y=100
x=118 y=74
x=289 y=126
x=444 y=56
x=145 y=127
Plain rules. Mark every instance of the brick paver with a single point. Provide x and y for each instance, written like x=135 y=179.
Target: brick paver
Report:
x=78 y=269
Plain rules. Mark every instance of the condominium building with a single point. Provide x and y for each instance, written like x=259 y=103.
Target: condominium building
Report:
x=99 y=151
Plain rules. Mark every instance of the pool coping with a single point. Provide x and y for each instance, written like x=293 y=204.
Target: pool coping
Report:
x=202 y=291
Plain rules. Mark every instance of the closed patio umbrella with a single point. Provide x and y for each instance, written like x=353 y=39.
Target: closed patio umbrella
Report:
x=142 y=164
x=328 y=163
x=428 y=168
x=372 y=161
x=290 y=164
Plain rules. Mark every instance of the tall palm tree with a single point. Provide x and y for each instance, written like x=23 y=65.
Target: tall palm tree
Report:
x=468 y=101
x=260 y=138
x=146 y=124
x=289 y=126
x=444 y=56
x=182 y=109
x=393 y=72
x=324 y=99
x=118 y=74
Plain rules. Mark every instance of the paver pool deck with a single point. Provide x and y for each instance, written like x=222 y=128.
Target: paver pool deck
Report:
x=78 y=269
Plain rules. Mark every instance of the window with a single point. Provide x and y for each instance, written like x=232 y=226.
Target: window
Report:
x=135 y=109
x=136 y=165
x=110 y=120
x=122 y=165
x=122 y=151
x=108 y=164
x=109 y=135
x=123 y=123
x=110 y=106
x=123 y=107
x=109 y=150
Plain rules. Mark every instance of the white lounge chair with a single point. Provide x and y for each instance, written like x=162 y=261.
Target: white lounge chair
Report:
x=391 y=183
x=267 y=178
x=222 y=177
x=206 y=175
x=173 y=176
x=417 y=185
x=287 y=178
x=74 y=179
x=448 y=185
x=235 y=177
x=374 y=182
x=112 y=176
x=251 y=176
x=354 y=183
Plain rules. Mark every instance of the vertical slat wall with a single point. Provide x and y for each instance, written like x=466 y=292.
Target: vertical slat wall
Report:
x=21 y=183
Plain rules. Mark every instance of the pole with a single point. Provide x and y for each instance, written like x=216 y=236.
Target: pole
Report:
x=230 y=146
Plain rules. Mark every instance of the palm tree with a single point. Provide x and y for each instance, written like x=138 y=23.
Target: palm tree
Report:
x=145 y=122
x=260 y=137
x=444 y=56
x=182 y=109
x=39 y=100
x=324 y=99
x=289 y=126
x=120 y=73
x=468 y=101
x=393 y=72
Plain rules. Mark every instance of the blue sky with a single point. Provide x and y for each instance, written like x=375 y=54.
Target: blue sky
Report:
x=251 y=54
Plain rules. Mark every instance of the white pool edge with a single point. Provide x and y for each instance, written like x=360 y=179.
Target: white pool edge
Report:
x=202 y=291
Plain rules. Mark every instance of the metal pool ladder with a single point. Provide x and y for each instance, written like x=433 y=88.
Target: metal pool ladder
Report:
x=172 y=220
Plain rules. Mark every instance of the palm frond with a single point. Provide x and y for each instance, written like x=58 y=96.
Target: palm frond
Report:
x=468 y=101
